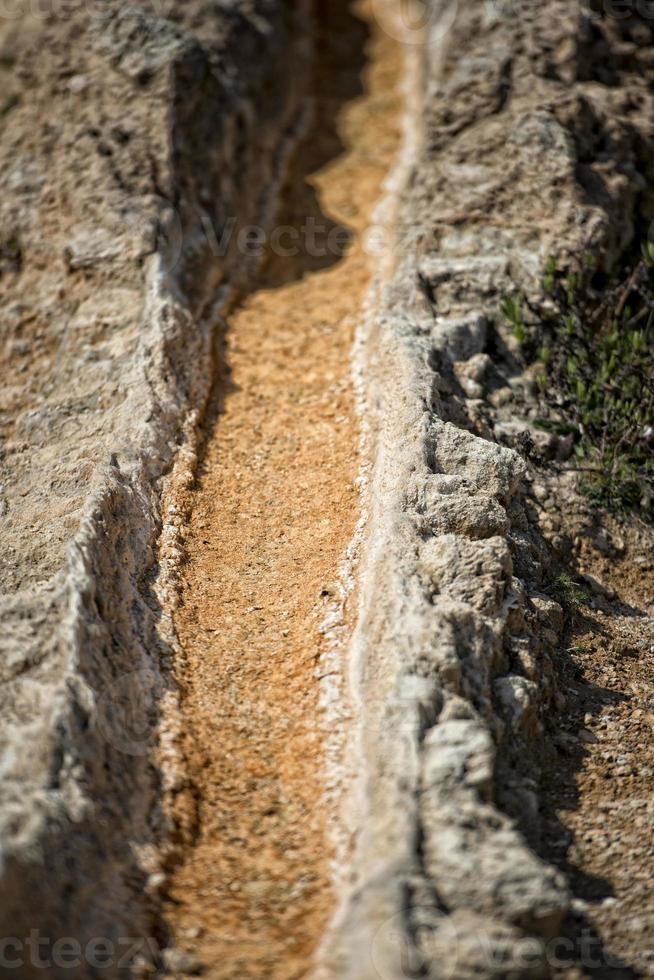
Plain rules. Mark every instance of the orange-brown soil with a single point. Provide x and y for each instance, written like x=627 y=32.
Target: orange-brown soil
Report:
x=271 y=515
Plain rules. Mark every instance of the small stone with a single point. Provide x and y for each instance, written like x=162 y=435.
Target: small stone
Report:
x=471 y=388
x=544 y=443
x=155 y=882
x=463 y=337
x=585 y=735
x=177 y=961
x=563 y=447
x=20 y=348
x=517 y=696
x=500 y=397
x=141 y=968
x=77 y=84
x=601 y=541
x=608 y=544
x=475 y=368
x=540 y=492
x=560 y=544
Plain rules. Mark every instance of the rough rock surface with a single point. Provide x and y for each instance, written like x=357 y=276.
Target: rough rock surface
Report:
x=129 y=139
x=534 y=139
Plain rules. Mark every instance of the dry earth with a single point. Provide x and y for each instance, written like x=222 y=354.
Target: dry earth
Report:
x=269 y=523
x=599 y=786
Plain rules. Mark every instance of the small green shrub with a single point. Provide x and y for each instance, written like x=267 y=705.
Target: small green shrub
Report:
x=569 y=593
x=595 y=374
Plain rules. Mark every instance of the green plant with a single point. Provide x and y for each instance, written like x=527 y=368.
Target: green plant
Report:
x=512 y=310
x=569 y=593
x=595 y=368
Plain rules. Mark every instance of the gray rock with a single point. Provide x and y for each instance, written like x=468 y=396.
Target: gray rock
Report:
x=462 y=337
x=122 y=361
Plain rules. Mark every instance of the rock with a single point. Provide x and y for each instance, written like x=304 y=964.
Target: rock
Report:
x=461 y=337
x=607 y=543
x=177 y=961
x=501 y=397
x=598 y=589
x=137 y=42
x=464 y=278
x=518 y=697
x=474 y=369
x=118 y=364
x=475 y=572
x=494 y=469
x=78 y=84
x=548 y=611
x=585 y=735
x=477 y=515
x=89 y=248
x=471 y=388
x=545 y=443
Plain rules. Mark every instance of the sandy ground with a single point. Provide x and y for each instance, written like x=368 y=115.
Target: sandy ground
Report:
x=275 y=506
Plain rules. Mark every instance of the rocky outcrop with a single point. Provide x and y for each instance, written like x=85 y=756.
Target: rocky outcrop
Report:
x=132 y=141
x=525 y=150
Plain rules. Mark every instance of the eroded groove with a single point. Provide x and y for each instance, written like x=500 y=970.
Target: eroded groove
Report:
x=272 y=513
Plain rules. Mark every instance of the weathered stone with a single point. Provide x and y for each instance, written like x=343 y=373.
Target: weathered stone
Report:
x=112 y=306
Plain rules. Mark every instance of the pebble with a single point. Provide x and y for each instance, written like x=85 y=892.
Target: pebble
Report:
x=177 y=961
x=540 y=491
x=584 y=735
x=78 y=83
x=500 y=397
x=475 y=368
x=155 y=882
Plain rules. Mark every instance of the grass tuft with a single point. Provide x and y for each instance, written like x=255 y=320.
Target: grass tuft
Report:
x=569 y=593
x=595 y=371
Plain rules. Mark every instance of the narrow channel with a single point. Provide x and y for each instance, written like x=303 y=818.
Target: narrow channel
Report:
x=273 y=510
